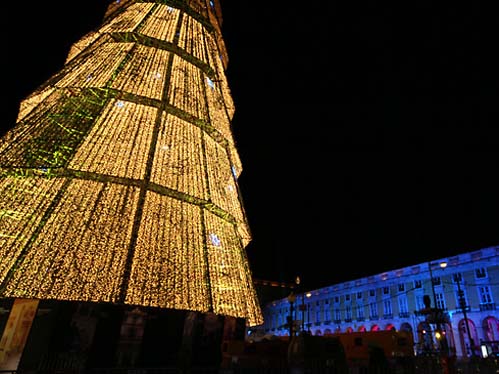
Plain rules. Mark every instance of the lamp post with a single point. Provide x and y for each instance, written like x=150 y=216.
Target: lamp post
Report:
x=302 y=305
x=308 y=314
x=296 y=348
x=442 y=340
x=291 y=320
x=463 y=306
x=302 y=308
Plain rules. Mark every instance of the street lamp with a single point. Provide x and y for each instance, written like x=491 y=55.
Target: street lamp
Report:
x=438 y=315
x=442 y=265
x=463 y=306
x=308 y=312
x=291 y=322
x=303 y=307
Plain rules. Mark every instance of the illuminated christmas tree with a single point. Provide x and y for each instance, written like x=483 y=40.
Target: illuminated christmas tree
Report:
x=119 y=180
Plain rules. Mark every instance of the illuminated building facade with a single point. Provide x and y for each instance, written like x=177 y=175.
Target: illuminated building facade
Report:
x=118 y=182
x=465 y=290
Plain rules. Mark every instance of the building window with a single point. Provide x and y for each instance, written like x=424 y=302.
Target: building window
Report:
x=372 y=292
x=327 y=314
x=347 y=297
x=386 y=290
x=373 y=310
x=401 y=287
x=418 y=284
x=336 y=299
x=337 y=314
x=484 y=294
x=387 y=307
x=348 y=313
x=420 y=302
x=440 y=301
x=457 y=277
x=360 y=312
x=359 y=295
x=312 y=313
x=480 y=273
x=436 y=281
x=403 y=306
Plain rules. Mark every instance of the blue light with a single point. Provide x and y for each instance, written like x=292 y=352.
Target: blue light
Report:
x=210 y=83
x=215 y=240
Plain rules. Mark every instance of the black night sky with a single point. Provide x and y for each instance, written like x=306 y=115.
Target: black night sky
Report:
x=367 y=132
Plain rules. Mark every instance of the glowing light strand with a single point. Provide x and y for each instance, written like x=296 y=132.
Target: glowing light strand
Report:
x=69 y=236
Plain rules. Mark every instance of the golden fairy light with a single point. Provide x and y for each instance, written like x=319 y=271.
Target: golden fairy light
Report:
x=118 y=182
